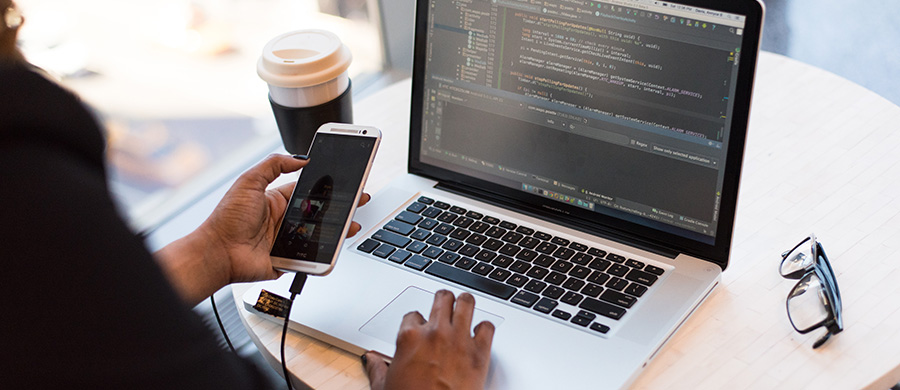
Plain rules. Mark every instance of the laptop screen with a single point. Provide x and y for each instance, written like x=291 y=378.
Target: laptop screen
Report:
x=610 y=111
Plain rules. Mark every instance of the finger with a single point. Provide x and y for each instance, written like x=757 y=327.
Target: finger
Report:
x=376 y=369
x=354 y=228
x=269 y=169
x=411 y=320
x=442 y=308
x=365 y=198
x=462 y=314
x=484 y=337
x=286 y=190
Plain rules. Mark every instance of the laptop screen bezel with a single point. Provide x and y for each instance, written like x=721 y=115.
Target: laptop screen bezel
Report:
x=607 y=226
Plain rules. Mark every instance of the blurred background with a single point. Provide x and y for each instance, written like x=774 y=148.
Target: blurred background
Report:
x=175 y=83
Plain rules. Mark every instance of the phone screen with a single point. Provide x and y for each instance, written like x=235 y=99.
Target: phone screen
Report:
x=321 y=203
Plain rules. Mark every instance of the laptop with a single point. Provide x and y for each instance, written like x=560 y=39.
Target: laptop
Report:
x=572 y=164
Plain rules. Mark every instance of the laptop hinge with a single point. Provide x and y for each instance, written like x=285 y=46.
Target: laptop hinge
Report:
x=521 y=207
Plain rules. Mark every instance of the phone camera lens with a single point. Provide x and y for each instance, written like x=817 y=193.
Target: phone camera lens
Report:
x=365 y=131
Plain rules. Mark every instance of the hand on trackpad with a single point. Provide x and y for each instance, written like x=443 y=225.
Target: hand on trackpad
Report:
x=386 y=323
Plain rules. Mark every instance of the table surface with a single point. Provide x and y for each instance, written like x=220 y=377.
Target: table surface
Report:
x=820 y=158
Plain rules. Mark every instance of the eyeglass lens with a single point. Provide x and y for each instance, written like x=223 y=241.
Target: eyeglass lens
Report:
x=807 y=305
x=798 y=260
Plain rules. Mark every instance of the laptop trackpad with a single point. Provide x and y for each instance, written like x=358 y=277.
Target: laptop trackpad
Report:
x=386 y=323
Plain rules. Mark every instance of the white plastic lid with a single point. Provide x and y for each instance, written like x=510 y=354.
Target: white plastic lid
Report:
x=303 y=58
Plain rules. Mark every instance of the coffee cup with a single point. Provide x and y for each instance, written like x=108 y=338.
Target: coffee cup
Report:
x=306 y=71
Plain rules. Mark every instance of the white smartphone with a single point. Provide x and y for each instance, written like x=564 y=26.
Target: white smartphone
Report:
x=320 y=210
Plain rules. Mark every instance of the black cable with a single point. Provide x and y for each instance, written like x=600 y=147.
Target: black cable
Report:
x=212 y=299
x=296 y=288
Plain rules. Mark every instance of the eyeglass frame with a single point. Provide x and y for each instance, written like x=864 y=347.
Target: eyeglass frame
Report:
x=822 y=269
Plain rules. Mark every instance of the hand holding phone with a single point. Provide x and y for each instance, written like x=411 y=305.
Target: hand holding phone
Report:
x=320 y=211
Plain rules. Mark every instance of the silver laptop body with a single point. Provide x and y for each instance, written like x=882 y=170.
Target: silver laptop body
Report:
x=615 y=127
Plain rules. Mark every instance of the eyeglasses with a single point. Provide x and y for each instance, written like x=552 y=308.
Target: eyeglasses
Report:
x=815 y=301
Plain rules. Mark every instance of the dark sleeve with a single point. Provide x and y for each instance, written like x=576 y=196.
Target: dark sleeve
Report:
x=88 y=307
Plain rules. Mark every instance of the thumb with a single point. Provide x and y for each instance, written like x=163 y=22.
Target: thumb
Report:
x=376 y=369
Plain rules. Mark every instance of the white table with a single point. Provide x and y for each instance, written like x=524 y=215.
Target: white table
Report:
x=823 y=156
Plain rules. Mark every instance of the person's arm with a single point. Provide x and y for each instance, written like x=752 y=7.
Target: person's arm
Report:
x=233 y=244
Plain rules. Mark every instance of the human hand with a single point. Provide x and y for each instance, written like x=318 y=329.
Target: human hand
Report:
x=438 y=354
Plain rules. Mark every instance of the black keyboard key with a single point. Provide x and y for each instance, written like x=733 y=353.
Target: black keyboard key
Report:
x=642 y=277
x=417 y=263
x=537 y=272
x=602 y=308
x=634 y=263
x=512 y=237
x=502 y=261
x=507 y=225
x=581 y=321
x=598 y=327
x=391 y=238
x=546 y=248
x=618 y=298
x=483 y=269
x=520 y=267
x=470 y=280
x=463 y=222
x=525 y=230
x=400 y=256
x=383 y=251
x=596 y=252
x=509 y=250
x=574 y=284
x=444 y=228
x=466 y=263
x=525 y=298
x=636 y=289
x=586 y=314
x=476 y=239
x=545 y=305
x=526 y=255
x=615 y=257
x=495 y=232
x=564 y=253
x=447 y=217
x=479 y=227
x=654 y=270
x=416 y=207
x=433 y=252
x=529 y=242
x=517 y=280
x=428 y=224
x=452 y=245
x=436 y=240
x=416 y=247
x=544 y=261
x=500 y=274
x=431 y=212
x=542 y=236
x=572 y=298
x=442 y=205
x=598 y=277
x=469 y=250
x=368 y=245
x=448 y=257
x=485 y=255
x=408 y=217
x=580 y=272
x=420 y=234
x=553 y=292
x=617 y=284
x=474 y=215
x=535 y=286
x=561 y=315
x=578 y=247
x=599 y=264
x=491 y=220
x=457 y=210
x=562 y=266
x=618 y=270
x=559 y=241
x=582 y=258
x=398 y=227
x=555 y=278
x=493 y=244
x=426 y=200
x=460 y=234
x=592 y=290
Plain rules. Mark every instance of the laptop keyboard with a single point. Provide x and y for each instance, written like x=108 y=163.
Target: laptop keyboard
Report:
x=514 y=263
